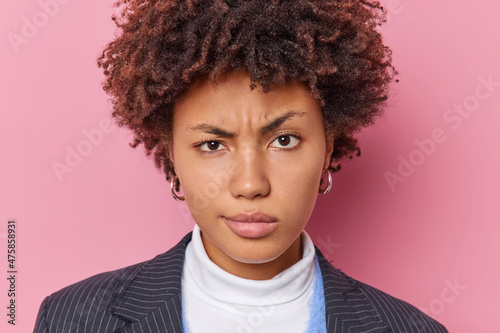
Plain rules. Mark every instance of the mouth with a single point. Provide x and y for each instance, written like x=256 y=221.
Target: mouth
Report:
x=256 y=225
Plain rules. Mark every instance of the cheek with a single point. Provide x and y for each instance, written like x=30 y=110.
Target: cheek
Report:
x=297 y=187
x=202 y=184
x=303 y=171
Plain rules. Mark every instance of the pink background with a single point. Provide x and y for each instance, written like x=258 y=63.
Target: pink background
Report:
x=437 y=228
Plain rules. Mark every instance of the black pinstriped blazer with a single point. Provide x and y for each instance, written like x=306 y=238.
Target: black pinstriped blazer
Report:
x=146 y=298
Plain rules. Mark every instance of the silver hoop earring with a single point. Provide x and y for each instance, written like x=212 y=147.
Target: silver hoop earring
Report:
x=176 y=197
x=325 y=191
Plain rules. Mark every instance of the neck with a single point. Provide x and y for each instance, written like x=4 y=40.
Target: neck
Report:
x=262 y=271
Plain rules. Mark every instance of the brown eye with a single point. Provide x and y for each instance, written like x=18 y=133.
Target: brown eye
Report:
x=287 y=141
x=284 y=140
x=213 y=145
x=209 y=146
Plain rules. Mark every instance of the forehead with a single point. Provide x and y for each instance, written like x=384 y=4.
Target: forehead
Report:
x=232 y=94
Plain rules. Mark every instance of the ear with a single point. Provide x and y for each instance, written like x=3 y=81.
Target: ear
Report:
x=329 y=150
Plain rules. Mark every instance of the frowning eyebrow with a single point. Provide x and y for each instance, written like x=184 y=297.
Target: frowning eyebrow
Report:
x=211 y=129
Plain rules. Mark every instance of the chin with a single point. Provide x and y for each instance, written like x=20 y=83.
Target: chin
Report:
x=255 y=258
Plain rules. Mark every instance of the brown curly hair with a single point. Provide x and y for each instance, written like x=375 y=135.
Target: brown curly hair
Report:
x=163 y=45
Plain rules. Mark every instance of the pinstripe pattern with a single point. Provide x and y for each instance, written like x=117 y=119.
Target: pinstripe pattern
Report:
x=146 y=298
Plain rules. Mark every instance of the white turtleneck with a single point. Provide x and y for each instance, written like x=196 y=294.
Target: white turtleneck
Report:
x=217 y=301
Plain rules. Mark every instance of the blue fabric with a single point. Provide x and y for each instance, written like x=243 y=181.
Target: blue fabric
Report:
x=184 y=323
x=317 y=319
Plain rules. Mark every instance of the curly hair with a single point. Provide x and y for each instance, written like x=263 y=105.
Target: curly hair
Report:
x=330 y=45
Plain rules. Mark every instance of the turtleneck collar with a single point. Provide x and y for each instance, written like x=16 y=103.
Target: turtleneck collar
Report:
x=215 y=284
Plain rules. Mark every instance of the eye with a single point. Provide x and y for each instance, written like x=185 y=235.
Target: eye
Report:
x=209 y=145
x=286 y=141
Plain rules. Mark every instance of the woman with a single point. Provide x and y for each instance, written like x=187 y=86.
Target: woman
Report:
x=248 y=106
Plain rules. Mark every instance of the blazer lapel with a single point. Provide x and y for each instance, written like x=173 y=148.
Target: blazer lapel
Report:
x=149 y=299
x=348 y=309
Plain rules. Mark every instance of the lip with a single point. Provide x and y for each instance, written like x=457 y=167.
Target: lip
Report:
x=252 y=218
x=254 y=225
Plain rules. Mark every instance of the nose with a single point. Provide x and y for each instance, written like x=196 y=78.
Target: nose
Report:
x=249 y=179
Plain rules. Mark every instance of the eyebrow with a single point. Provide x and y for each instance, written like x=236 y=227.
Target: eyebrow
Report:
x=211 y=129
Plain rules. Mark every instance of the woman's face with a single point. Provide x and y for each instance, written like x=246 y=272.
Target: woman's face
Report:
x=238 y=151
